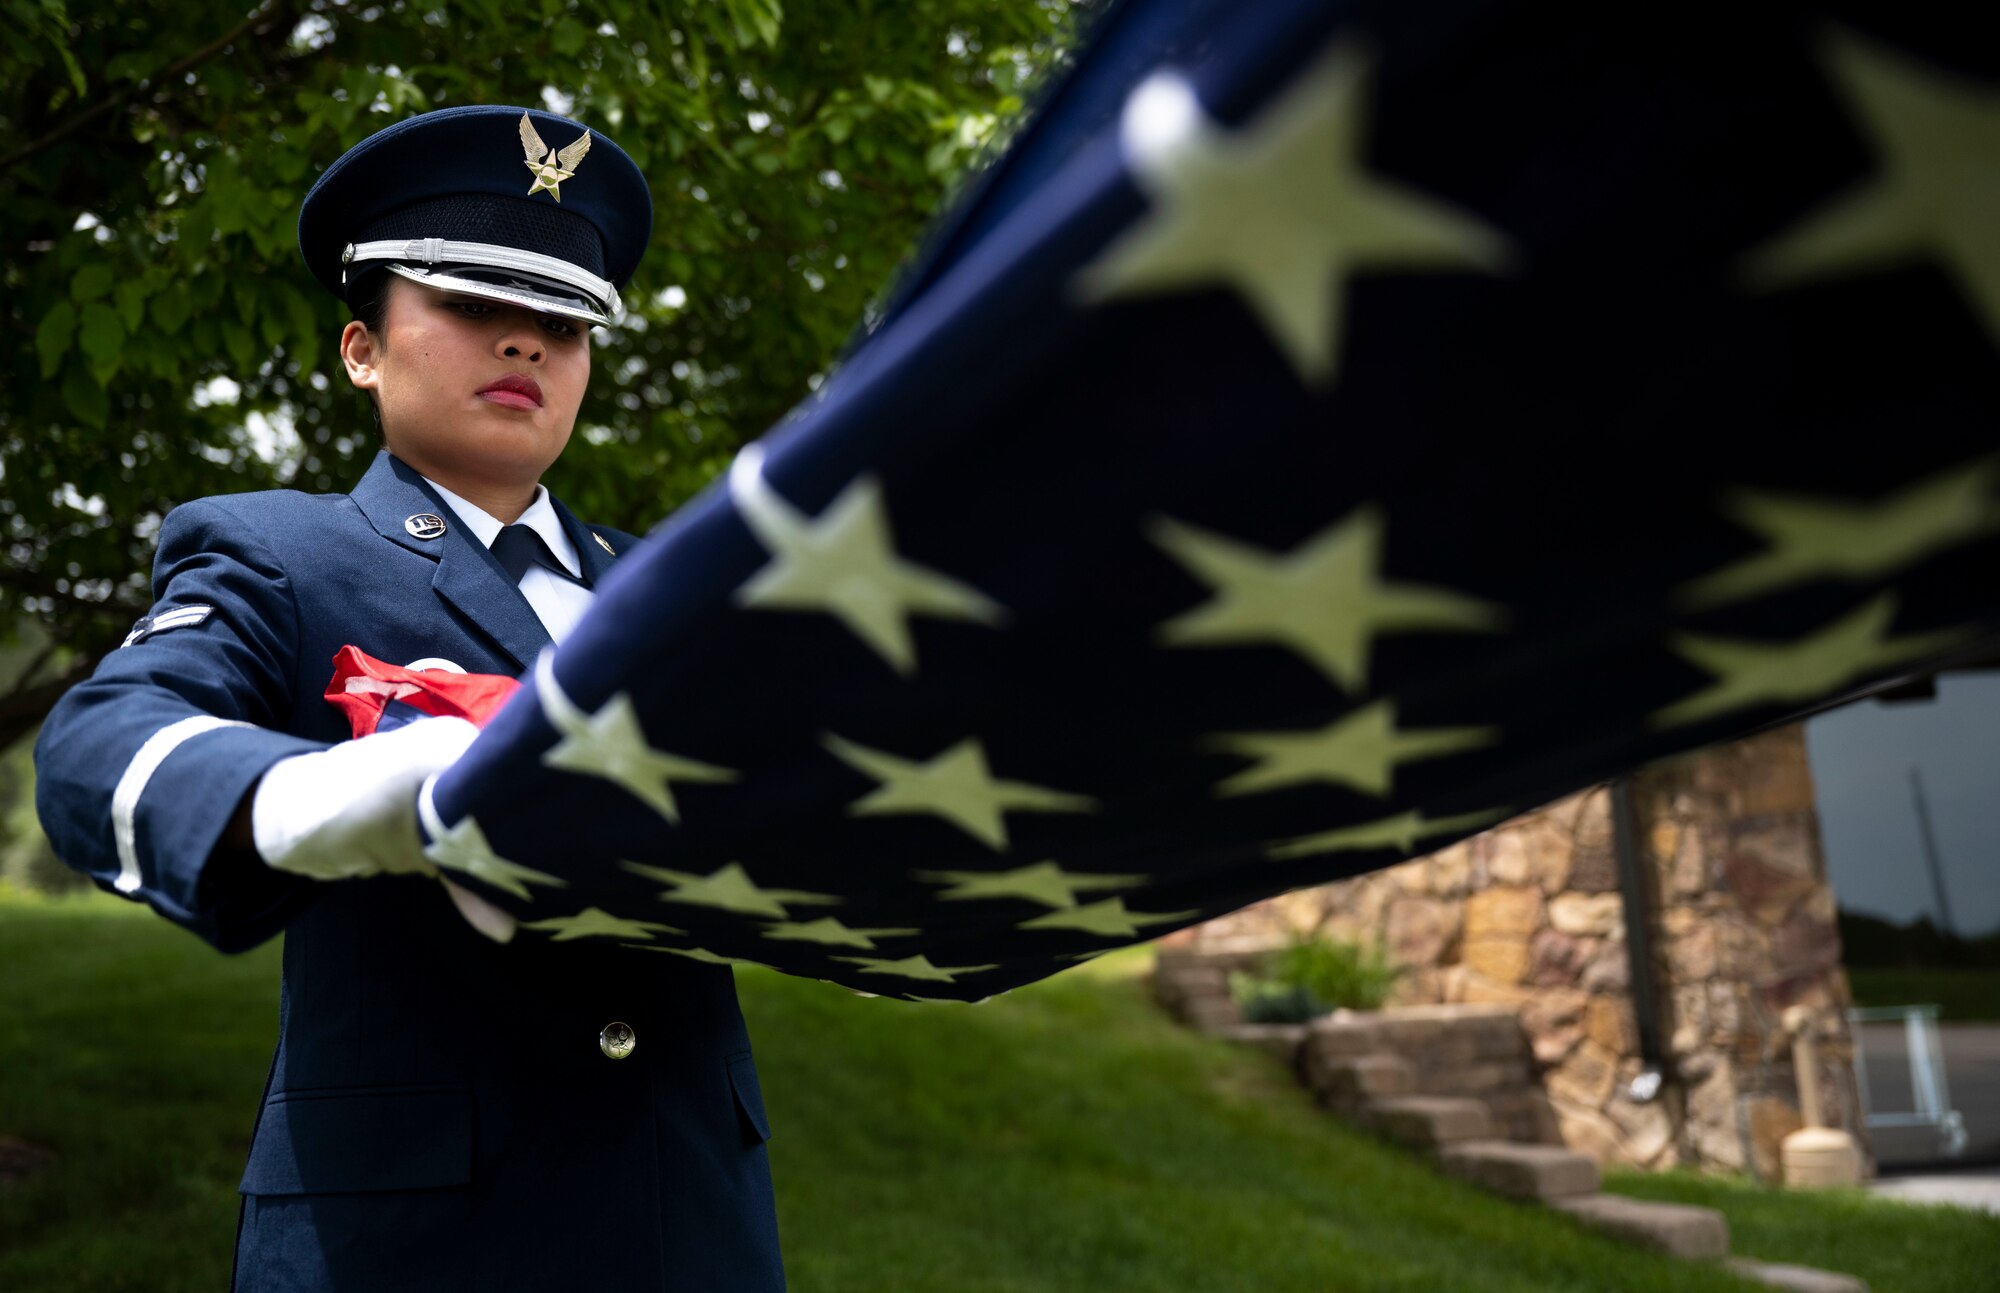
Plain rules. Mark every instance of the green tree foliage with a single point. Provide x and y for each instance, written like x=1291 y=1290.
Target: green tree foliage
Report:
x=166 y=343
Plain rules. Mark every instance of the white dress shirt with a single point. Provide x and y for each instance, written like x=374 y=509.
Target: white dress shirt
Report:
x=558 y=603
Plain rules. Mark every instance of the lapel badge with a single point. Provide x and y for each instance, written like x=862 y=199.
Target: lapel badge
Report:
x=552 y=170
x=425 y=525
x=602 y=544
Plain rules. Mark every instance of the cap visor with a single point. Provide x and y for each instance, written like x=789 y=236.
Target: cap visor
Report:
x=506 y=286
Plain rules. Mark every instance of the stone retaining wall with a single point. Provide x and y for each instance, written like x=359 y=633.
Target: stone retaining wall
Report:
x=1479 y=1052
x=1528 y=916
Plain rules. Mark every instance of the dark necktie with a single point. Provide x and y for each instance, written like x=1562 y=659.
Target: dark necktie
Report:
x=517 y=547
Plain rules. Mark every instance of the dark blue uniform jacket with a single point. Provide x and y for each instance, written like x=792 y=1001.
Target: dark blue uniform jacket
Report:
x=439 y=1114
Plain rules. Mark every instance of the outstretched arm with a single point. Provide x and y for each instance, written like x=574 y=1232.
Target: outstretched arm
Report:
x=146 y=770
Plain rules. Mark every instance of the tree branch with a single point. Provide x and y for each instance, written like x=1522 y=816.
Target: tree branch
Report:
x=255 y=24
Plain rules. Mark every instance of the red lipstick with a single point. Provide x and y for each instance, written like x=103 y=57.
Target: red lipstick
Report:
x=514 y=391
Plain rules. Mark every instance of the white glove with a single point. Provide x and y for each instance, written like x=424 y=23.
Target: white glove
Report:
x=351 y=809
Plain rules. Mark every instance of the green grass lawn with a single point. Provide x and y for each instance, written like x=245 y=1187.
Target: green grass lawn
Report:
x=1963 y=996
x=1894 y=1246
x=1066 y=1137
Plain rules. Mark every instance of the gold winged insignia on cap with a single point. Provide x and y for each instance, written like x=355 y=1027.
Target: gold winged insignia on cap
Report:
x=551 y=170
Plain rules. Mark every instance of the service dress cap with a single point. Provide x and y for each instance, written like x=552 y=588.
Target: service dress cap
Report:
x=512 y=204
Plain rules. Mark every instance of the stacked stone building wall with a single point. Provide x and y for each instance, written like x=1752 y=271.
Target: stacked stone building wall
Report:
x=1529 y=915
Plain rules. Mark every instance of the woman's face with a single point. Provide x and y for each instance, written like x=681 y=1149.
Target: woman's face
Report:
x=471 y=388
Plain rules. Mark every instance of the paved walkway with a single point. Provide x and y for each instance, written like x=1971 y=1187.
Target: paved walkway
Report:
x=1972 y=1189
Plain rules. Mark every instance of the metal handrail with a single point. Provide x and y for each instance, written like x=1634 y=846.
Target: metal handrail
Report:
x=1929 y=1090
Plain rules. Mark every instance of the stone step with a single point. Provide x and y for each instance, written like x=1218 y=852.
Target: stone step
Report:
x=1797 y=1279
x=1209 y=1014
x=1535 y=1172
x=1281 y=1040
x=1677 y=1229
x=1344 y=1035
x=1349 y=1082
x=1427 y=1122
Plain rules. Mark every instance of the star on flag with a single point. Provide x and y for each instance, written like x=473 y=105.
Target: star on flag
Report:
x=1937 y=139
x=464 y=848
x=1760 y=673
x=954 y=785
x=1282 y=211
x=1326 y=599
x=1401 y=832
x=1813 y=538
x=1108 y=918
x=844 y=562
x=594 y=922
x=611 y=744
x=701 y=954
x=1360 y=751
x=831 y=932
x=914 y=967
x=729 y=888
x=1044 y=882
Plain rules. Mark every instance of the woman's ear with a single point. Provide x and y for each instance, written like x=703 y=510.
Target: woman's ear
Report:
x=360 y=352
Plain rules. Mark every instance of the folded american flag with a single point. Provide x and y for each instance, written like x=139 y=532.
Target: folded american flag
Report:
x=376 y=696
x=1332 y=429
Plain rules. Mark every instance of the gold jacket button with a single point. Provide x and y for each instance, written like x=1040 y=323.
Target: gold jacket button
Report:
x=617 y=1040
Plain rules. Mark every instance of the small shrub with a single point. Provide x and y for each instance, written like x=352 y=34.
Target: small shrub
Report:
x=1262 y=1002
x=1310 y=976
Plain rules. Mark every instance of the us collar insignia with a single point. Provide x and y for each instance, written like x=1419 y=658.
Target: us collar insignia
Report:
x=550 y=170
